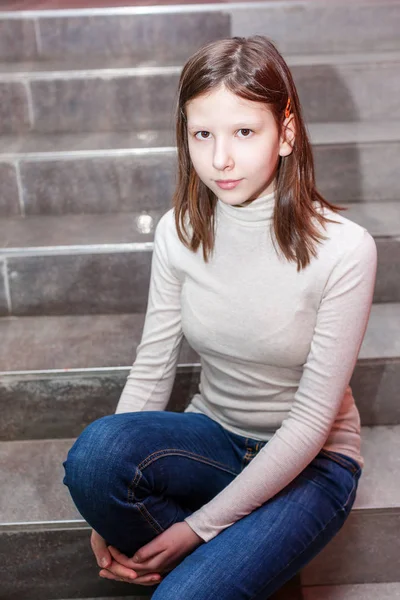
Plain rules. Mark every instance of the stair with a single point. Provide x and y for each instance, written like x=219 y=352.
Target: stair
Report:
x=371 y=591
x=84 y=180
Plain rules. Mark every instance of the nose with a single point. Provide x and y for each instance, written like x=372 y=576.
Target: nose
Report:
x=222 y=157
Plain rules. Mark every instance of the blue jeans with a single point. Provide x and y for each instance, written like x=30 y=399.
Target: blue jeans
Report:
x=133 y=475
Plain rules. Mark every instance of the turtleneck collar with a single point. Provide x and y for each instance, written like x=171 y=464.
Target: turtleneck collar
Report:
x=257 y=212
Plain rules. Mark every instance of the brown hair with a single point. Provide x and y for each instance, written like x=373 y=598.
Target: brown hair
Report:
x=251 y=68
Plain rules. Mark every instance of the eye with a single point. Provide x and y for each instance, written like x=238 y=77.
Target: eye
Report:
x=246 y=132
x=202 y=137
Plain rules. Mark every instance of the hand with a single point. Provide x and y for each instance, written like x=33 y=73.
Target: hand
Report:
x=157 y=557
x=105 y=561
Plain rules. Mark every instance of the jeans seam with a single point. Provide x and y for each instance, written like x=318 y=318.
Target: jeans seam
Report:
x=177 y=451
x=149 y=518
x=304 y=549
x=341 y=461
x=146 y=462
x=142 y=509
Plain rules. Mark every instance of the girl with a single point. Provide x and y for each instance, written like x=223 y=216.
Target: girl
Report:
x=232 y=497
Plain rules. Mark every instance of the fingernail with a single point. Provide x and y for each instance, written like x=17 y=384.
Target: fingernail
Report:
x=136 y=558
x=104 y=562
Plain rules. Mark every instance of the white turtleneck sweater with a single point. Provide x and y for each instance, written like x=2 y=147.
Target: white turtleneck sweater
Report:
x=277 y=347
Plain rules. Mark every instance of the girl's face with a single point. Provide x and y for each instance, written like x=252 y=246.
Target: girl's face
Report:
x=231 y=138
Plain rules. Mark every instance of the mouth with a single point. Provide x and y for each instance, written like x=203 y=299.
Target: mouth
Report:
x=227 y=184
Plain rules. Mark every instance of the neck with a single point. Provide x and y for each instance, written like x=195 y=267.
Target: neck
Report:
x=260 y=210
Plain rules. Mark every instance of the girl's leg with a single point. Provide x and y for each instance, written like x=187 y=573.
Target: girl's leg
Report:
x=255 y=556
x=133 y=475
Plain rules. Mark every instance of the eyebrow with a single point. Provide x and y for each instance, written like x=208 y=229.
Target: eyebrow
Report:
x=241 y=125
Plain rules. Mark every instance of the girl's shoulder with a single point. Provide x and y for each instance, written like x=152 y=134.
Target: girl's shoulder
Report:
x=343 y=235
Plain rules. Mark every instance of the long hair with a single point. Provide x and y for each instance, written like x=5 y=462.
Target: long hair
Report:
x=253 y=69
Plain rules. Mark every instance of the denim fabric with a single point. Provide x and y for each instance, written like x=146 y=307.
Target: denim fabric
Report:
x=133 y=475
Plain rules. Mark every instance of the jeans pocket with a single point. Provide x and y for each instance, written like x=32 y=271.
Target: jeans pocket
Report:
x=345 y=461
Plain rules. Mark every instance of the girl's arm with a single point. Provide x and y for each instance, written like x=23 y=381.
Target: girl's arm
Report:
x=341 y=324
x=151 y=378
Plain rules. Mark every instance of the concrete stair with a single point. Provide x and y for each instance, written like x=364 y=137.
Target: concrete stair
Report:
x=77 y=365
x=84 y=180
x=60 y=98
x=87 y=264
x=372 y=591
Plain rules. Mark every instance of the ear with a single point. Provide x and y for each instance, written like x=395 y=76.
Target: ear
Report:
x=288 y=136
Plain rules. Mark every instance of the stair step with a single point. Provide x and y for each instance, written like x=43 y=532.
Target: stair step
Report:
x=48 y=234
x=143 y=37
x=35 y=146
x=100 y=99
x=40 y=487
x=91 y=263
x=91 y=67
x=362 y=591
x=296 y=26
x=38 y=516
x=77 y=366
x=126 y=171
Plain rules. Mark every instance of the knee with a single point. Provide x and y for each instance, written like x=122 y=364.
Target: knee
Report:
x=93 y=455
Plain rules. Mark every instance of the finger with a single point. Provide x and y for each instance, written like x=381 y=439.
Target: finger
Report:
x=149 y=564
x=99 y=547
x=107 y=575
x=121 y=571
x=122 y=559
x=151 y=549
x=149 y=579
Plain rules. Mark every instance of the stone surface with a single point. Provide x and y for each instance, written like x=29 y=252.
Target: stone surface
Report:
x=342 y=92
x=86 y=280
x=56 y=564
x=379 y=483
x=308 y=27
x=69 y=342
x=151 y=38
x=357 y=172
x=40 y=486
x=381 y=219
x=382 y=337
x=14 y=111
x=120 y=180
x=80 y=144
x=32 y=488
x=17 y=39
x=31 y=405
x=109 y=184
x=387 y=288
x=365 y=549
x=362 y=591
x=104 y=103
x=357 y=132
x=9 y=204
x=80 y=283
x=348 y=558
x=118 y=100
x=47 y=231
x=375 y=385
x=74 y=342
x=51 y=556
x=4 y=310
x=18 y=234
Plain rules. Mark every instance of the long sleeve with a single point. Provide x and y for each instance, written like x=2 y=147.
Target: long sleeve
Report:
x=151 y=378
x=341 y=323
